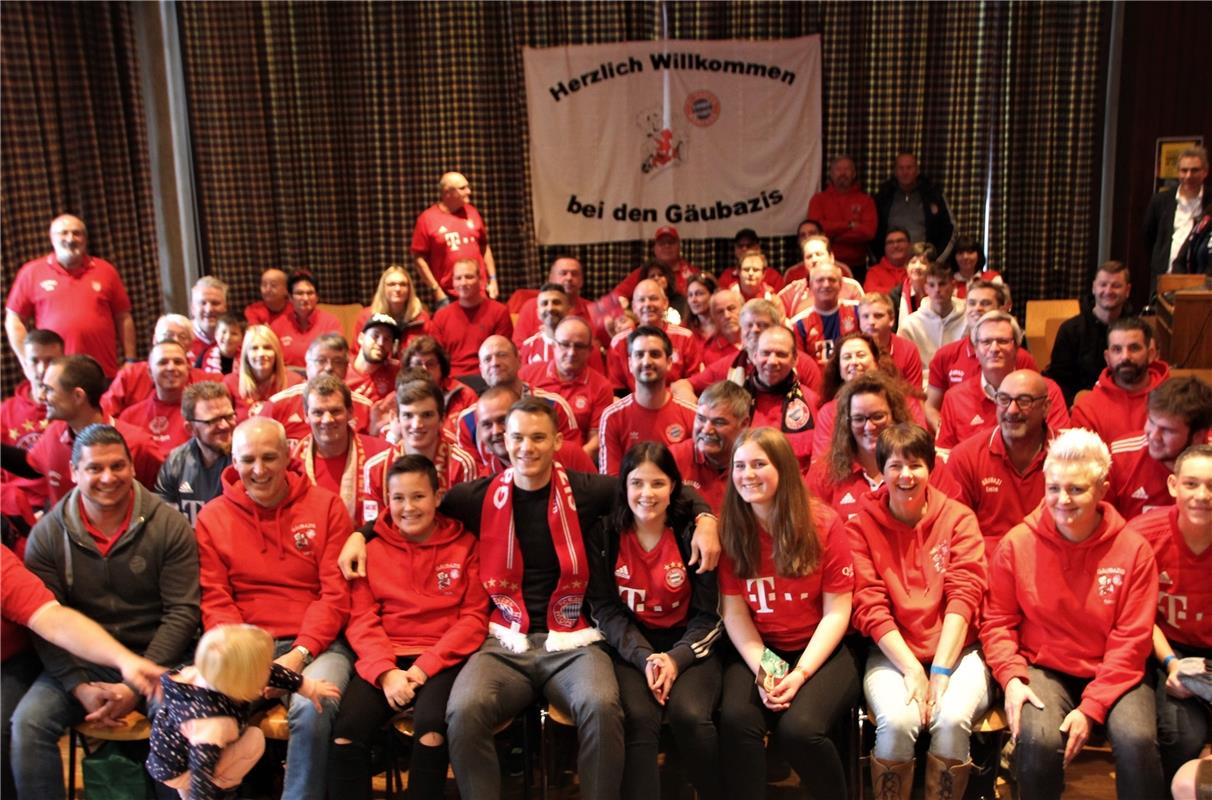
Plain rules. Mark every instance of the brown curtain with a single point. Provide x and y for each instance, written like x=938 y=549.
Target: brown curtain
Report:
x=72 y=140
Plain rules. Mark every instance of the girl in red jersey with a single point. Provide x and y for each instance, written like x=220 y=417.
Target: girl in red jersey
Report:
x=660 y=618
x=261 y=373
x=1181 y=538
x=1067 y=624
x=919 y=579
x=415 y=618
x=786 y=582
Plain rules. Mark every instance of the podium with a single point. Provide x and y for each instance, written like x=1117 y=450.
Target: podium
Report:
x=1184 y=321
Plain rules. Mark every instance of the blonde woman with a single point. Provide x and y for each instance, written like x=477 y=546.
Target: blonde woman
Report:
x=396 y=298
x=262 y=372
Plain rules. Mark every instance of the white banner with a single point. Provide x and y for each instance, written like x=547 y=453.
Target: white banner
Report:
x=708 y=136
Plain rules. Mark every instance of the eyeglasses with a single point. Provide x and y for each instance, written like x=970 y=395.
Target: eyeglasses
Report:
x=860 y=421
x=1024 y=401
x=228 y=418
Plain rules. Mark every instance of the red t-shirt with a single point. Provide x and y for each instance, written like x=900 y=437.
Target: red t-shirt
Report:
x=462 y=330
x=1137 y=481
x=376 y=384
x=654 y=585
x=709 y=481
x=163 y=422
x=287 y=407
x=24 y=596
x=296 y=340
x=955 y=362
x=1184 y=602
x=527 y=324
x=259 y=314
x=787 y=610
x=588 y=396
x=79 y=305
x=907 y=359
x=627 y=422
x=442 y=238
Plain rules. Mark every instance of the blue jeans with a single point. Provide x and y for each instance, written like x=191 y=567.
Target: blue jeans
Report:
x=310 y=730
x=1131 y=726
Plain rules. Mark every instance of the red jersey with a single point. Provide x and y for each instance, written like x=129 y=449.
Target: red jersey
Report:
x=287 y=407
x=295 y=339
x=587 y=395
x=259 y=314
x=786 y=610
x=737 y=368
x=1184 y=601
x=1085 y=609
x=376 y=384
x=967 y=411
x=812 y=329
x=955 y=362
x=686 y=361
x=80 y=305
x=653 y=584
x=22 y=421
x=462 y=330
x=771 y=409
x=842 y=496
x=163 y=422
x=907 y=360
x=1137 y=481
x=442 y=238
x=849 y=220
x=52 y=456
x=1113 y=413
x=683 y=271
x=771 y=277
x=538 y=348
x=716 y=347
x=696 y=471
x=24 y=596
x=454 y=465
x=979 y=474
x=275 y=567
x=908 y=578
x=883 y=277
x=245 y=409
x=133 y=383
x=527 y=324
x=626 y=422
x=418 y=598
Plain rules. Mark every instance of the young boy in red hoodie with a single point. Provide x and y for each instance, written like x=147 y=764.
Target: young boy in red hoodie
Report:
x=1068 y=624
x=417 y=615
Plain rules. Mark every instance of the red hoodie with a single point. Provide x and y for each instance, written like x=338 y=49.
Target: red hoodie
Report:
x=1085 y=609
x=275 y=567
x=1112 y=412
x=418 y=597
x=910 y=578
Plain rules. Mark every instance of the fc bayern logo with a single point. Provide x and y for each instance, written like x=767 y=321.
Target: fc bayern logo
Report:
x=675 y=433
x=675 y=576
x=568 y=610
x=702 y=108
x=508 y=608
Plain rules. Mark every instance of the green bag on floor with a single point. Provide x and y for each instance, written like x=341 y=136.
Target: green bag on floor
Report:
x=111 y=774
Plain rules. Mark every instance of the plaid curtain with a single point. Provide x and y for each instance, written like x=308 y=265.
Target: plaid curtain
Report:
x=72 y=140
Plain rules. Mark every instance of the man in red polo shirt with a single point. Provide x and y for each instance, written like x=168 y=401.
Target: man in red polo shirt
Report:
x=275 y=299
x=373 y=371
x=568 y=375
x=999 y=474
x=650 y=304
x=651 y=412
x=333 y=455
x=1179 y=416
x=160 y=414
x=970 y=407
x=78 y=296
x=449 y=230
x=73 y=402
x=1116 y=407
x=462 y=327
x=723 y=411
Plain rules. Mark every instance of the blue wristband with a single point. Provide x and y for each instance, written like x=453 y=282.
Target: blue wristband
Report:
x=1166 y=661
x=935 y=669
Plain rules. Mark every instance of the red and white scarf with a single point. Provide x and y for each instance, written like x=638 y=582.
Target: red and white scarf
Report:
x=501 y=568
x=355 y=458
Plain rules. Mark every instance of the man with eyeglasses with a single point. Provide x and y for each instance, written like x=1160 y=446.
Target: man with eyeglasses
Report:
x=327 y=354
x=190 y=476
x=568 y=273
x=970 y=407
x=553 y=305
x=569 y=375
x=999 y=474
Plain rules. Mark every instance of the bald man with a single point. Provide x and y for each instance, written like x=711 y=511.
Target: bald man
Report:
x=78 y=296
x=449 y=230
x=462 y=326
x=274 y=299
x=650 y=304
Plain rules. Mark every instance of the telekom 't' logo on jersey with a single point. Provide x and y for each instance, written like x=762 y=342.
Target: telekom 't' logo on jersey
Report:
x=761 y=594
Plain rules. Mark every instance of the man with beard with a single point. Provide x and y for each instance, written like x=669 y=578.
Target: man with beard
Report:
x=651 y=412
x=1077 y=353
x=552 y=305
x=373 y=372
x=160 y=414
x=569 y=274
x=1116 y=406
x=650 y=304
x=190 y=476
x=999 y=474
x=492 y=452
x=724 y=410
x=780 y=401
x=569 y=376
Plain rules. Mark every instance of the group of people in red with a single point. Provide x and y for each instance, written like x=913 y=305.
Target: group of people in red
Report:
x=458 y=512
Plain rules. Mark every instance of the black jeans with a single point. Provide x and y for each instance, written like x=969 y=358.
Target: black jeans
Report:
x=802 y=732
x=364 y=710
x=689 y=709
x=1182 y=724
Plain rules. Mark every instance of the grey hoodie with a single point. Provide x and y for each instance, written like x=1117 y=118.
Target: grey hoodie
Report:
x=144 y=591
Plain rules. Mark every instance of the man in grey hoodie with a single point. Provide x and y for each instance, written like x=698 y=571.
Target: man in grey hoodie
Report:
x=118 y=554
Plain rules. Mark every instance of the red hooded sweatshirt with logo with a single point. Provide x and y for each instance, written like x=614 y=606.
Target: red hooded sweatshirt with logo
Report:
x=1114 y=413
x=1085 y=609
x=418 y=598
x=275 y=567
x=909 y=578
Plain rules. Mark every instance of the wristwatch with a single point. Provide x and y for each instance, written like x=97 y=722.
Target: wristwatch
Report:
x=303 y=651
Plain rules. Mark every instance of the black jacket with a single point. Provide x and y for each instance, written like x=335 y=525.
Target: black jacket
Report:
x=940 y=226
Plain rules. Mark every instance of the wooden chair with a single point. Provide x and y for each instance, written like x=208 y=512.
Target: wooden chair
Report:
x=135 y=728
x=348 y=314
x=1040 y=314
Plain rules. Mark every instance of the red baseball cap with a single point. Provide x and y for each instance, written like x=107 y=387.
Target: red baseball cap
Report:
x=667 y=230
